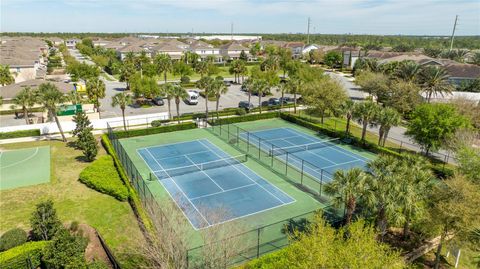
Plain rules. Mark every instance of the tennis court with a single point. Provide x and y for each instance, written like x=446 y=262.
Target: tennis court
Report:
x=24 y=167
x=209 y=185
x=319 y=158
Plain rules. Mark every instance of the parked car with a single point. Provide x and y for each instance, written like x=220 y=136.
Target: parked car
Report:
x=227 y=83
x=265 y=103
x=246 y=105
x=287 y=100
x=243 y=88
x=273 y=102
x=158 y=101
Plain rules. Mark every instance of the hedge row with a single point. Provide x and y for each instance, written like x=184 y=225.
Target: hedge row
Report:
x=250 y=117
x=12 y=111
x=102 y=176
x=133 y=199
x=16 y=257
x=155 y=130
x=21 y=133
x=438 y=169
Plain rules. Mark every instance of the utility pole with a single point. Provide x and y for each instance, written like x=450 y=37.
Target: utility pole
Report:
x=308 y=31
x=453 y=32
x=231 y=31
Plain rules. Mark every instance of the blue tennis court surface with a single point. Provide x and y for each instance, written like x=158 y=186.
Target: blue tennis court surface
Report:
x=321 y=158
x=208 y=185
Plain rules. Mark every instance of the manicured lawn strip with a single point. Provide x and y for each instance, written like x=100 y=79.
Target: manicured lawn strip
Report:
x=22 y=133
x=74 y=201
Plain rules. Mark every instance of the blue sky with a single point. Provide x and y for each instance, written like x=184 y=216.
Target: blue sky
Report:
x=415 y=17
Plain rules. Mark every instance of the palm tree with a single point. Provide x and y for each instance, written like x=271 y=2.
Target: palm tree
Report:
x=285 y=59
x=74 y=97
x=25 y=99
x=248 y=85
x=345 y=188
x=49 y=96
x=434 y=80
x=348 y=108
x=218 y=88
x=205 y=84
x=386 y=118
x=407 y=70
x=167 y=90
x=6 y=77
x=122 y=100
x=282 y=89
x=236 y=68
x=202 y=68
x=178 y=93
x=294 y=85
x=127 y=71
x=414 y=187
x=164 y=64
x=366 y=113
x=96 y=90
x=260 y=86
x=383 y=183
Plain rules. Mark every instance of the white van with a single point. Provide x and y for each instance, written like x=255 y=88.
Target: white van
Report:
x=192 y=98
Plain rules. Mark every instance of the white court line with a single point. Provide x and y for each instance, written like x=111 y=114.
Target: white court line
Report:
x=182 y=155
x=344 y=151
x=340 y=164
x=251 y=178
x=21 y=161
x=190 y=160
x=181 y=192
x=215 y=193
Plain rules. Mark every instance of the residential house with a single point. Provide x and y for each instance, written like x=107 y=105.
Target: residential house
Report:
x=136 y=49
x=72 y=43
x=25 y=57
x=57 y=41
x=233 y=50
x=173 y=49
x=309 y=48
x=296 y=48
x=205 y=50
x=9 y=92
x=101 y=42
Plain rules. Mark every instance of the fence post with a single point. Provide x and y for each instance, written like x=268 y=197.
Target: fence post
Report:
x=401 y=145
x=248 y=142
x=286 y=164
x=301 y=175
x=228 y=133
x=321 y=182
x=271 y=153
x=238 y=135
x=258 y=242
x=259 y=143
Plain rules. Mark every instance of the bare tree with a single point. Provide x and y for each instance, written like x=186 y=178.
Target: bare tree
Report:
x=167 y=245
x=224 y=240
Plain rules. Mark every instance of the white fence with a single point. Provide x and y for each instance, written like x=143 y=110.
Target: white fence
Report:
x=67 y=126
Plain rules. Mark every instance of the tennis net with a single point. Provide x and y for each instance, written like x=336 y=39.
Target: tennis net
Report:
x=178 y=171
x=292 y=149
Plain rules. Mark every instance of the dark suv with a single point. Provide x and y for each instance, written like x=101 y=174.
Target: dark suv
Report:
x=273 y=102
x=246 y=105
x=286 y=100
x=158 y=101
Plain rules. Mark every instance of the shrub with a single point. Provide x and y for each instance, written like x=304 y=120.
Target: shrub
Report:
x=251 y=117
x=241 y=111
x=65 y=251
x=16 y=257
x=185 y=79
x=158 y=123
x=12 y=238
x=22 y=133
x=156 y=130
x=88 y=145
x=102 y=176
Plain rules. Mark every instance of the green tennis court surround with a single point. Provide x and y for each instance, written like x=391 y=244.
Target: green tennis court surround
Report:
x=24 y=167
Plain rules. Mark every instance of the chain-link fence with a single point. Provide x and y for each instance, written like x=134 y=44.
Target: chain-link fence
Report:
x=253 y=243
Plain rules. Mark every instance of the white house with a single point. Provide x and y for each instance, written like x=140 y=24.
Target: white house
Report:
x=309 y=48
x=296 y=48
x=205 y=50
x=71 y=43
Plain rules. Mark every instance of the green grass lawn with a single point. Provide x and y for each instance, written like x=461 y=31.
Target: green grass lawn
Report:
x=74 y=201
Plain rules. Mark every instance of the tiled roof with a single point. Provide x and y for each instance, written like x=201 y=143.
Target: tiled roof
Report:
x=10 y=91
